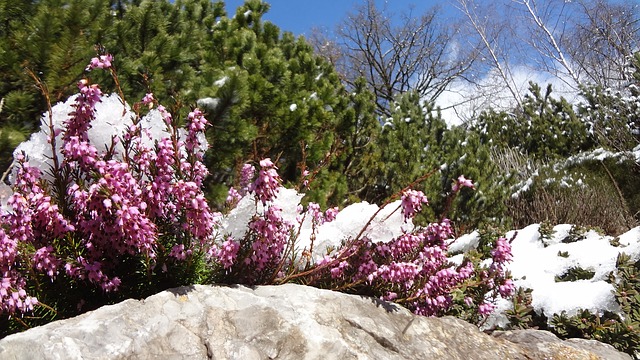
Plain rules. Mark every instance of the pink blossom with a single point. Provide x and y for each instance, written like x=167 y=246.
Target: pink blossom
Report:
x=313 y=209
x=233 y=196
x=462 y=182
x=507 y=288
x=178 y=252
x=102 y=62
x=228 y=252
x=246 y=177
x=271 y=235
x=166 y=116
x=45 y=261
x=501 y=252
x=331 y=214
x=412 y=201
x=485 y=308
x=148 y=99
x=267 y=183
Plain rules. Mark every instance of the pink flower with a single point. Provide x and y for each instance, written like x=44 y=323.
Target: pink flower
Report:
x=102 y=62
x=148 y=99
x=178 y=252
x=166 y=116
x=507 y=288
x=228 y=253
x=412 y=201
x=462 y=182
x=44 y=260
x=317 y=216
x=267 y=184
x=271 y=234
x=246 y=177
x=233 y=196
x=501 y=252
x=485 y=308
x=331 y=214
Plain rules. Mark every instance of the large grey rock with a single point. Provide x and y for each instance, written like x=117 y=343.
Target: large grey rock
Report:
x=277 y=322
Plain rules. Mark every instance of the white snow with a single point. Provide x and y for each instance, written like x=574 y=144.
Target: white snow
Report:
x=293 y=107
x=387 y=224
x=208 y=103
x=111 y=118
x=536 y=263
x=221 y=82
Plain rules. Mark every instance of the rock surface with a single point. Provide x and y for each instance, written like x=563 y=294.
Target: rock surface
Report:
x=279 y=322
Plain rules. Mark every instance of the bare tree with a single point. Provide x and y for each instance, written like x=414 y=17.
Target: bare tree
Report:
x=396 y=55
x=496 y=54
x=545 y=28
x=577 y=42
x=603 y=40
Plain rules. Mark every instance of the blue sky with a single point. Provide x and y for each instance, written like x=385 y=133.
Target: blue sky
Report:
x=300 y=16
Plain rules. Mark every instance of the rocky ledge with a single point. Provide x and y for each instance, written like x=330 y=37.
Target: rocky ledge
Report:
x=279 y=322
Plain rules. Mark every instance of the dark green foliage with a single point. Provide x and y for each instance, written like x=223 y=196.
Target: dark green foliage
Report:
x=546 y=232
x=575 y=273
x=521 y=315
x=266 y=93
x=356 y=158
x=52 y=39
x=416 y=141
x=544 y=128
x=576 y=233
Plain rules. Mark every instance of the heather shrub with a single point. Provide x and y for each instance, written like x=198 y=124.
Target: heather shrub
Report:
x=112 y=209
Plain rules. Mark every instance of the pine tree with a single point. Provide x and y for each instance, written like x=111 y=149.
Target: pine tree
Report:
x=51 y=39
x=544 y=128
x=415 y=142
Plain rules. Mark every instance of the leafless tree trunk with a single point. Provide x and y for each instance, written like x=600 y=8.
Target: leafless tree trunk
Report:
x=547 y=27
x=492 y=35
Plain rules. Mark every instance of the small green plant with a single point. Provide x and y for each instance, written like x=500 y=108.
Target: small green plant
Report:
x=564 y=254
x=546 y=232
x=575 y=273
x=522 y=313
x=576 y=233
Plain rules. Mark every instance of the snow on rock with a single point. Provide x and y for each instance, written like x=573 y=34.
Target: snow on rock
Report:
x=387 y=224
x=5 y=192
x=236 y=222
x=112 y=118
x=208 y=103
x=465 y=242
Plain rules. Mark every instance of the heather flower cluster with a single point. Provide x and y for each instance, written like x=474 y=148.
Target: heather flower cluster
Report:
x=267 y=183
x=413 y=269
x=105 y=208
x=412 y=201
